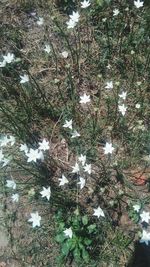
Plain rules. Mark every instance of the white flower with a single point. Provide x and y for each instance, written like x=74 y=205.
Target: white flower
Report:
x=5 y=162
x=116 y=12
x=108 y=149
x=68 y=124
x=34 y=154
x=137 y=105
x=98 y=212
x=138 y=3
x=44 y=145
x=71 y=24
x=9 y=58
x=87 y=168
x=23 y=147
x=75 y=16
x=35 y=219
x=65 y=54
x=24 y=78
x=104 y=19
x=75 y=134
x=46 y=192
x=145 y=237
x=122 y=109
x=145 y=216
x=81 y=182
x=123 y=95
x=11 y=184
x=85 y=4
x=15 y=197
x=139 y=83
x=47 y=48
x=12 y=140
x=63 y=180
x=1 y=155
x=108 y=66
x=2 y=64
x=85 y=99
x=4 y=141
x=136 y=207
x=109 y=85
x=75 y=168
x=68 y=232
x=40 y=21
x=82 y=159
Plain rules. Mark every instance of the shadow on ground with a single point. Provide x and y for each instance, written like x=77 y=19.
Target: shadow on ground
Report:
x=141 y=256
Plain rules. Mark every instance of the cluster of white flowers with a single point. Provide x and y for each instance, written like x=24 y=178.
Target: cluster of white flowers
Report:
x=74 y=18
x=122 y=108
x=35 y=154
x=68 y=124
x=4 y=142
x=144 y=218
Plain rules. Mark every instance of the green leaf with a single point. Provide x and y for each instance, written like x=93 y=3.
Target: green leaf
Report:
x=91 y=228
x=85 y=255
x=66 y=247
x=60 y=238
x=87 y=241
x=77 y=254
x=85 y=220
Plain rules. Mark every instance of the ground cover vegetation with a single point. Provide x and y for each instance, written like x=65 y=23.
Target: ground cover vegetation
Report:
x=75 y=131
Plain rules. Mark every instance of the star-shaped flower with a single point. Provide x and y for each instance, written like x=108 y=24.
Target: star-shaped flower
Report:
x=145 y=237
x=11 y=184
x=47 y=48
x=71 y=24
x=15 y=197
x=116 y=12
x=75 y=169
x=123 y=95
x=75 y=134
x=40 y=21
x=98 y=212
x=35 y=219
x=68 y=232
x=75 y=16
x=108 y=149
x=82 y=159
x=4 y=141
x=85 y=99
x=65 y=54
x=2 y=64
x=109 y=85
x=145 y=216
x=44 y=145
x=46 y=192
x=122 y=109
x=23 y=147
x=137 y=207
x=81 y=182
x=34 y=155
x=9 y=58
x=68 y=124
x=138 y=3
x=63 y=180
x=85 y=4
x=87 y=168
x=24 y=78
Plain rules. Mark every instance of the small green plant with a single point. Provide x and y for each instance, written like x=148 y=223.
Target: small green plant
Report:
x=76 y=247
